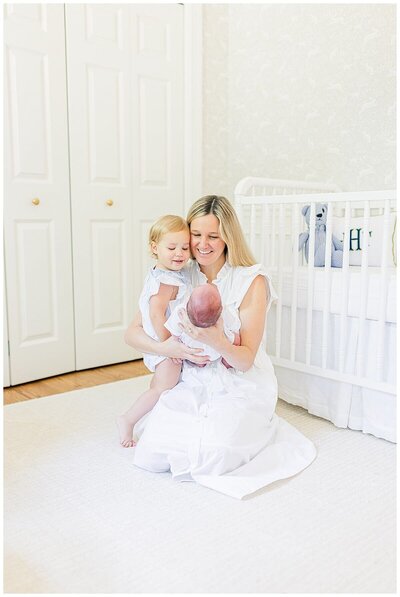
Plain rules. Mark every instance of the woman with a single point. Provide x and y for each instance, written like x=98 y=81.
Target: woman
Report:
x=218 y=426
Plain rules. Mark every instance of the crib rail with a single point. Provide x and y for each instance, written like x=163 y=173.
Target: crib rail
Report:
x=270 y=213
x=251 y=186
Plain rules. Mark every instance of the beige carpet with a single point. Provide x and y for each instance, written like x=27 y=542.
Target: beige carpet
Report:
x=80 y=518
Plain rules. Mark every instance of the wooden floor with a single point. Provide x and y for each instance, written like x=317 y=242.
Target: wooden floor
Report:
x=74 y=381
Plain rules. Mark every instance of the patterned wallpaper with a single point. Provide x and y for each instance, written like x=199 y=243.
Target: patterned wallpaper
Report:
x=300 y=92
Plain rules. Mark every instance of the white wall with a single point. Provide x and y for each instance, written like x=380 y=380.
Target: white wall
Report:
x=299 y=92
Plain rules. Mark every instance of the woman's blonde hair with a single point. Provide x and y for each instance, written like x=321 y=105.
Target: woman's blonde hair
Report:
x=164 y=225
x=237 y=250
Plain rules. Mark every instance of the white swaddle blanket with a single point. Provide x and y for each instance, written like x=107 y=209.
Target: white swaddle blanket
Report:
x=231 y=326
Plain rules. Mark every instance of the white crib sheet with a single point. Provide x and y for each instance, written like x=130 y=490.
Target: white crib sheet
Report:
x=374 y=292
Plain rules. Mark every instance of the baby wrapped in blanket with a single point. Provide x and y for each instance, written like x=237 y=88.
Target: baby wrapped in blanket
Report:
x=204 y=307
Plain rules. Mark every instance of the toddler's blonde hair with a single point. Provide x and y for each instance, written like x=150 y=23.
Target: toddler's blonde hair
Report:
x=237 y=250
x=164 y=225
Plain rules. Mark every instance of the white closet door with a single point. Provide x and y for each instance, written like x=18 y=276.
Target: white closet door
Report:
x=158 y=132
x=125 y=90
x=37 y=206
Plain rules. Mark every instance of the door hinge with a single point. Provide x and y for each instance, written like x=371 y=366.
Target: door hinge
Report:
x=8 y=347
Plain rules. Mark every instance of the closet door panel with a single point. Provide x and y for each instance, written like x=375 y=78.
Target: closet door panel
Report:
x=108 y=268
x=99 y=61
x=125 y=90
x=37 y=202
x=157 y=134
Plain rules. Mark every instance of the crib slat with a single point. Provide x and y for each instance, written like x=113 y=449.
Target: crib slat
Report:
x=295 y=267
x=269 y=262
x=281 y=240
x=265 y=250
x=345 y=287
x=364 y=293
x=265 y=244
x=239 y=212
x=327 y=286
x=273 y=235
x=253 y=229
x=383 y=290
x=263 y=235
x=310 y=283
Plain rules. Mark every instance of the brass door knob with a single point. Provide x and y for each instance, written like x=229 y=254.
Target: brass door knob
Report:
x=35 y=201
x=110 y=202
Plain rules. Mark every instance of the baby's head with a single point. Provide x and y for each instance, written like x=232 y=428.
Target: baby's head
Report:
x=169 y=239
x=204 y=306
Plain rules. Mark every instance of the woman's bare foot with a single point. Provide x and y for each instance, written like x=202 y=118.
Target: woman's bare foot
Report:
x=125 y=432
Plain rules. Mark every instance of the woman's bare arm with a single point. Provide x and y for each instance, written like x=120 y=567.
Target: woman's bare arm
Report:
x=136 y=337
x=252 y=313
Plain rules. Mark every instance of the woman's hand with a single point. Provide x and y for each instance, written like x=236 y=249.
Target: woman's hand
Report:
x=176 y=361
x=174 y=349
x=213 y=336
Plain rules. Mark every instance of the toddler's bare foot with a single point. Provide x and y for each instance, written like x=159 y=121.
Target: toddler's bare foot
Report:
x=125 y=432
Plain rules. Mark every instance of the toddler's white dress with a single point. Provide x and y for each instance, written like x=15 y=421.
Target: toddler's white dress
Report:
x=218 y=426
x=151 y=286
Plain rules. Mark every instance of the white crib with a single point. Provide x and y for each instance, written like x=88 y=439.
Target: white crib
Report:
x=332 y=333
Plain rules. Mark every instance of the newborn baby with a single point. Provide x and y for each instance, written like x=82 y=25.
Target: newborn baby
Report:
x=203 y=308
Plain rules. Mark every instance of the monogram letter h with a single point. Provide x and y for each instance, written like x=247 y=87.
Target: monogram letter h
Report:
x=355 y=239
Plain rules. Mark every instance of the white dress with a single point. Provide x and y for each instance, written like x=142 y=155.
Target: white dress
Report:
x=151 y=286
x=218 y=426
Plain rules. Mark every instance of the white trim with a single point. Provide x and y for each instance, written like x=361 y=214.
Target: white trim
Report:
x=6 y=343
x=356 y=197
x=334 y=375
x=193 y=101
x=245 y=185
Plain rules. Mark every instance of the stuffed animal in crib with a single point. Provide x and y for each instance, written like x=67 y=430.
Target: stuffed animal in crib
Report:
x=321 y=212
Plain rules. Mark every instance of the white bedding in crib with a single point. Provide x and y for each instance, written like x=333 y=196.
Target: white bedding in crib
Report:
x=374 y=288
x=344 y=404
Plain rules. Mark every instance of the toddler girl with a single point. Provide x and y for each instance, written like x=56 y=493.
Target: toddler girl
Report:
x=166 y=285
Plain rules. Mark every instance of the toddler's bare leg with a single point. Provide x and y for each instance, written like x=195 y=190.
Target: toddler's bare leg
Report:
x=165 y=377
